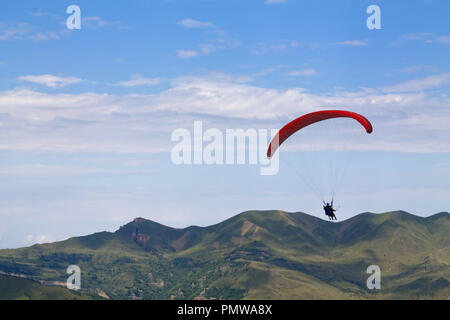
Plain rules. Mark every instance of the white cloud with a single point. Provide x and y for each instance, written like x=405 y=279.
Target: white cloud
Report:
x=58 y=171
x=192 y=23
x=285 y=45
x=40 y=170
x=37 y=13
x=443 y=39
x=186 y=54
x=304 y=72
x=221 y=40
x=138 y=80
x=46 y=35
x=417 y=35
x=208 y=47
x=354 y=43
x=95 y=21
x=30 y=238
x=418 y=68
x=426 y=37
x=23 y=30
x=51 y=80
x=281 y=46
x=420 y=84
x=13 y=32
x=404 y=120
x=275 y=1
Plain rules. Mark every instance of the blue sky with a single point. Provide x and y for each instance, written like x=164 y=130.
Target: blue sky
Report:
x=86 y=115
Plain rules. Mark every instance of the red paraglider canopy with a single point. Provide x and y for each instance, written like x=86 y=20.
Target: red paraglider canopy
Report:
x=311 y=118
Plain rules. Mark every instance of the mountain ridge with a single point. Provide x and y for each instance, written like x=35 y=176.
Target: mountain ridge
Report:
x=268 y=254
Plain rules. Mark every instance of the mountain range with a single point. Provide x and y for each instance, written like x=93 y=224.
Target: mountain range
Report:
x=253 y=255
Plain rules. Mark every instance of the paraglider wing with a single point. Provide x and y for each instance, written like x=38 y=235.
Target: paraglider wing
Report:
x=311 y=118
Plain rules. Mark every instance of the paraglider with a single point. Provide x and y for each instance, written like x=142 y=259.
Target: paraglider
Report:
x=311 y=118
x=329 y=210
x=308 y=119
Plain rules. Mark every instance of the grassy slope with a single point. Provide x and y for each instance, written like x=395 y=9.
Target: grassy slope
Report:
x=25 y=289
x=257 y=254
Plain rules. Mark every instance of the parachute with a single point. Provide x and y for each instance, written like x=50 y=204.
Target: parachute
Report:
x=311 y=118
x=323 y=163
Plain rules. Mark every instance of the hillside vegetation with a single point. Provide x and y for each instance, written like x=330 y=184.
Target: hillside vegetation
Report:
x=254 y=255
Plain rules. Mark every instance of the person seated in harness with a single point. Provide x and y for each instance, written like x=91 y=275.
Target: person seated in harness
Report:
x=329 y=210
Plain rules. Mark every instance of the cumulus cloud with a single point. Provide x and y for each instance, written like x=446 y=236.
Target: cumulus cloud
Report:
x=405 y=117
x=51 y=81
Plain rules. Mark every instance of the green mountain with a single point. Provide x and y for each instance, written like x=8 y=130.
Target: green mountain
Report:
x=25 y=289
x=254 y=255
